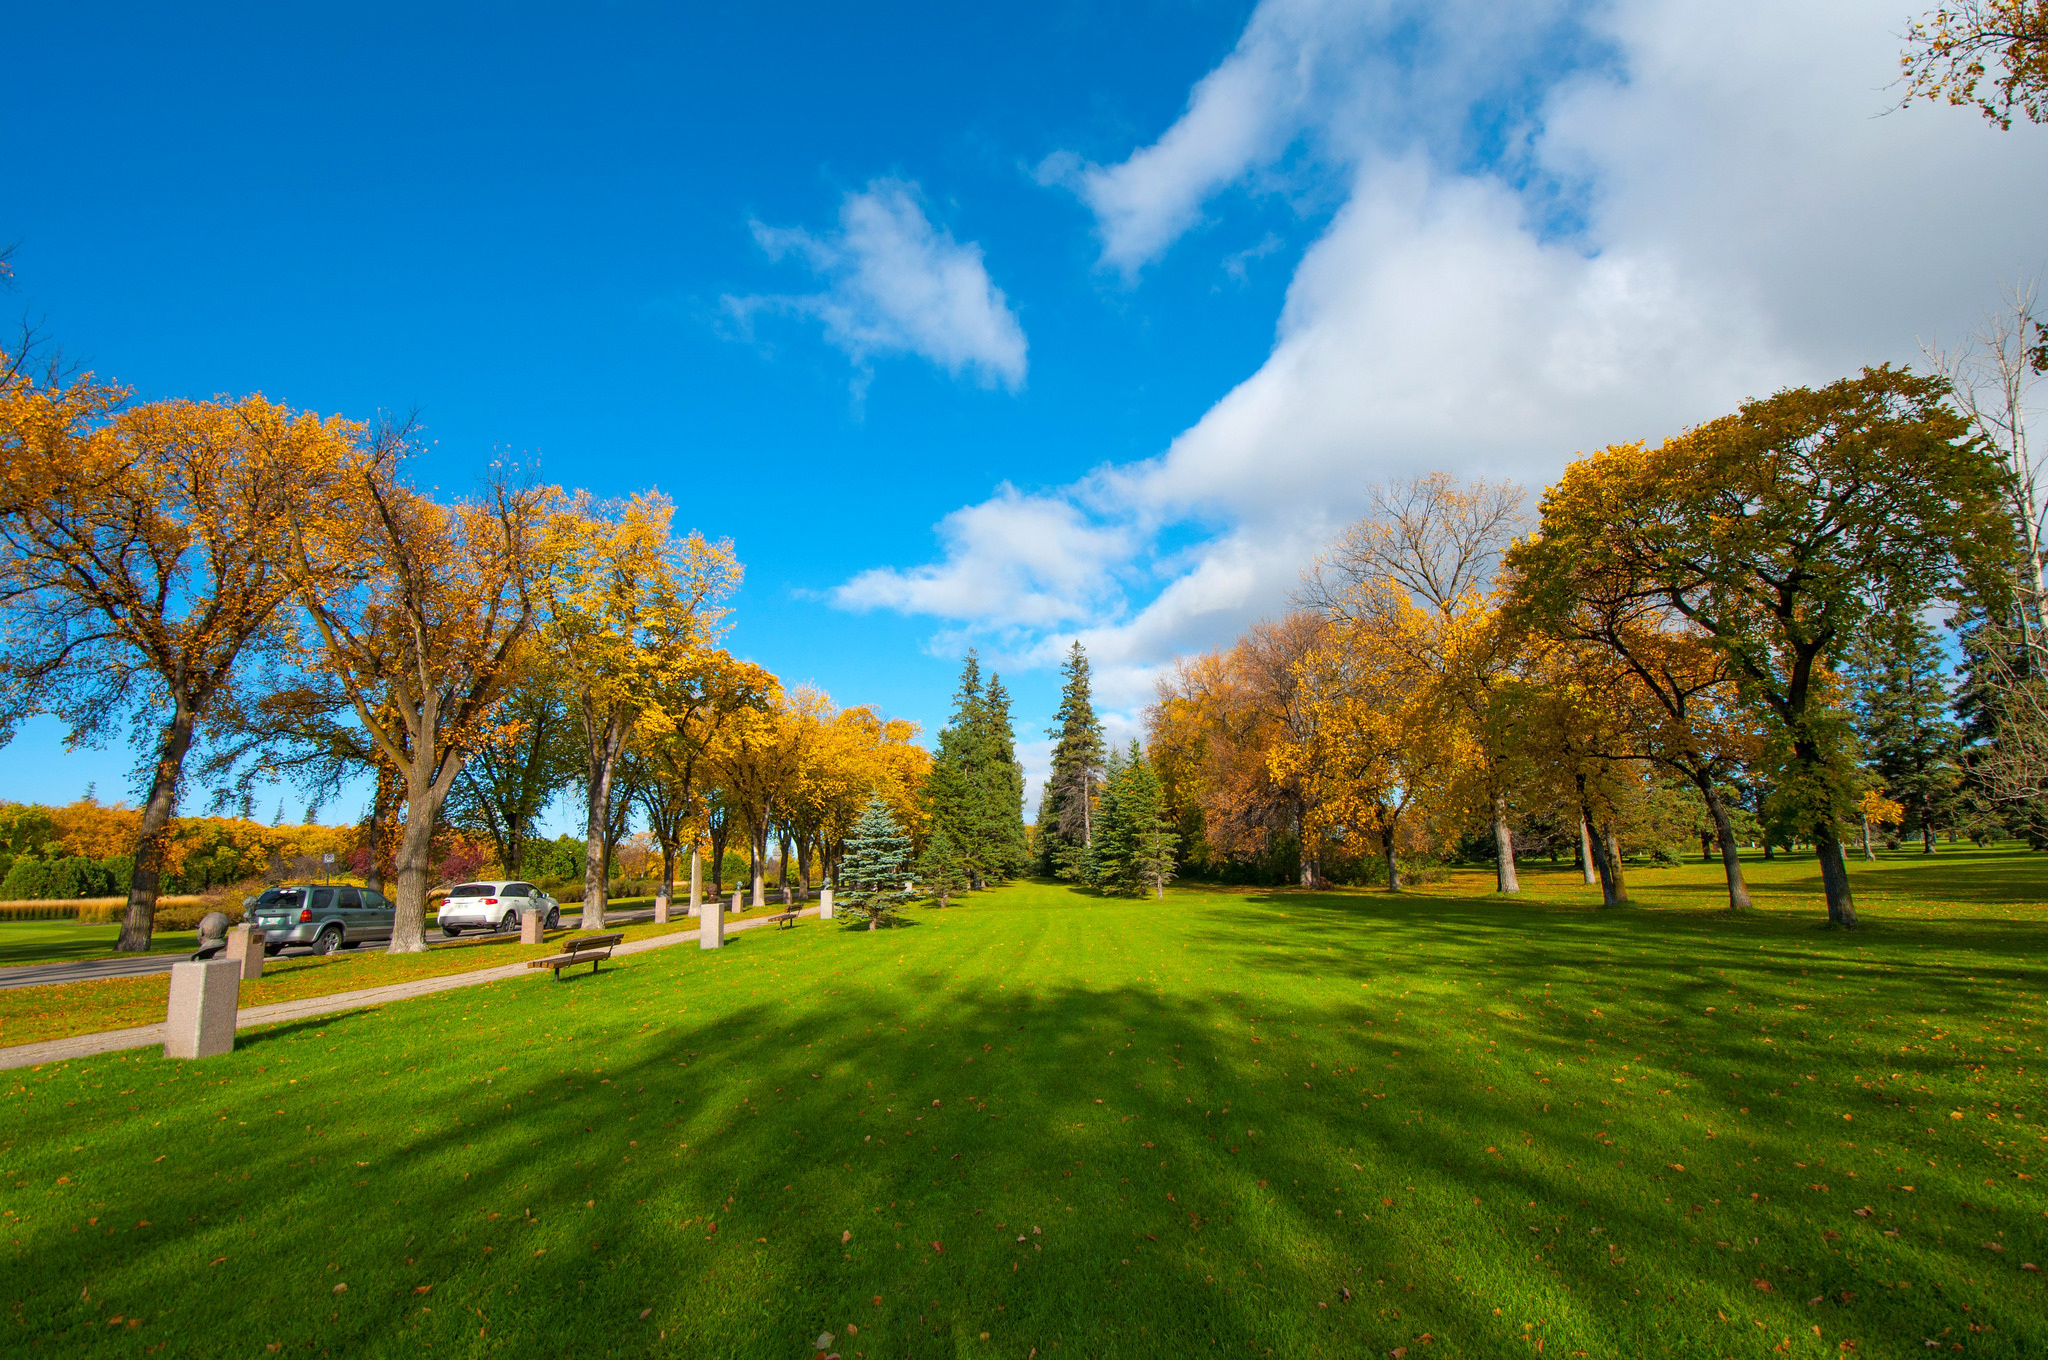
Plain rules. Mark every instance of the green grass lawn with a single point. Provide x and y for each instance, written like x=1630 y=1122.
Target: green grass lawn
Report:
x=1236 y=1122
x=25 y=942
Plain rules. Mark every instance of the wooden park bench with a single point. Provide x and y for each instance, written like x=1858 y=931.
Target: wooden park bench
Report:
x=787 y=918
x=590 y=949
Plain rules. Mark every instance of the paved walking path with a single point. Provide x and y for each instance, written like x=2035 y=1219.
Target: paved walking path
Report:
x=143 y=1036
x=94 y=970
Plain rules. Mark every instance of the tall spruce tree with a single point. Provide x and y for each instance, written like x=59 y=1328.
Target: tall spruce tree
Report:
x=876 y=864
x=1901 y=710
x=975 y=790
x=952 y=792
x=1010 y=852
x=1066 y=815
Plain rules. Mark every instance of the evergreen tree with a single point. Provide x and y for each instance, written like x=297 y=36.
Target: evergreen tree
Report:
x=941 y=869
x=974 y=790
x=1135 y=839
x=1010 y=851
x=1900 y=708
x=1154 y=839
x=1106 y=860
x=875 y=864
x=1066 y=817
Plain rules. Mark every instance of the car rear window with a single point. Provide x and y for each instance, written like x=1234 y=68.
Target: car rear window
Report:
x=281 y=897
x=472 y=890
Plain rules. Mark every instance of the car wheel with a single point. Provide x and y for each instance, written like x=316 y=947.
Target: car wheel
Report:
x=510 y=923
x=451 y=931
x=328 y=940
x=270 y=951
x=554 y=918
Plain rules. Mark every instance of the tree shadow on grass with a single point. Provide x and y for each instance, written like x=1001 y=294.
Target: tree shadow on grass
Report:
x=1189 y=1170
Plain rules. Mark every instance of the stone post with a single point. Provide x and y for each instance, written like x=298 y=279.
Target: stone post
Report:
x=696 y=881
x=529 y=926
x=736 y=908
x=201 y=1020
x=245 y=946
x=824 y=904
x=661 y=907
x=711 y=928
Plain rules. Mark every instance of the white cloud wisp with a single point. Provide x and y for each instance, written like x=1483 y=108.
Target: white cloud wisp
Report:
x=897 y=285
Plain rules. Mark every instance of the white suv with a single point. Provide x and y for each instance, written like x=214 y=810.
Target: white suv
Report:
x=494 y=906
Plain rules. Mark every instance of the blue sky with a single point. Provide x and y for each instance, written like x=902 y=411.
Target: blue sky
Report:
x=1001 y=324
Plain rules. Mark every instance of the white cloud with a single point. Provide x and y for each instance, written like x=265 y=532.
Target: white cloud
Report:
x=898 y=285
x=1740 y=218
x=1015 y=560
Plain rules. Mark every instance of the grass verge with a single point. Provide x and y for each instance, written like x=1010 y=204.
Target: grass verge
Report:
x=58 y=1010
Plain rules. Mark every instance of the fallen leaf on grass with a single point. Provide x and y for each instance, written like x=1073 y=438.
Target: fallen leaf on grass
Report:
x=422 y=1289
x=341 y=1289
x=846 y=1237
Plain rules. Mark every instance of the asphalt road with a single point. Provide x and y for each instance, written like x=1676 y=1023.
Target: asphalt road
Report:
x=94 y=970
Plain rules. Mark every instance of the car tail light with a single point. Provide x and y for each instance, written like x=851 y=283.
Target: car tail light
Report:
x=490 y=901
x=305 y=913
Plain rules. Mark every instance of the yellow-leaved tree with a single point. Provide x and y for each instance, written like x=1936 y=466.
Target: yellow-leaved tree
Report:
x=1377 y=743
x=629 y=609
x=1425 y=563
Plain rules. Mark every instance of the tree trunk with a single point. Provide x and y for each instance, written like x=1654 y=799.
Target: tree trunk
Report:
x=1926 y=836
x=153 y=836
x=415 y=848
x=668 y=872
x=1586 y=851
x=1503 y=848
x=1724 y=831
x=1834 y=876
x=696 y=879
x=719 y=835
x=1611 y=838
x=803 y=868
x=596 y=831
x=758 y=852
x=782 y=871
x=1868 y=853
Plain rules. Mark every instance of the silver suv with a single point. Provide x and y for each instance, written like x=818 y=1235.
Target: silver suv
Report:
x=494 y=905
x=327 y=917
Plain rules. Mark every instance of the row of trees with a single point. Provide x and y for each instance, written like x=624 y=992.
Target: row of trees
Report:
x=1723 y=628
x=252 y=593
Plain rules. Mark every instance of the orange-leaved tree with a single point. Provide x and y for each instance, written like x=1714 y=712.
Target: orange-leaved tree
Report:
x=143 y=551
x=421 y=611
